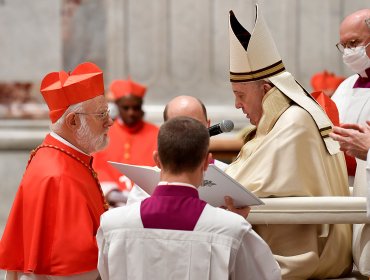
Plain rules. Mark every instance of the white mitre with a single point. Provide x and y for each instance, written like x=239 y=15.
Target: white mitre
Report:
x=255 y=57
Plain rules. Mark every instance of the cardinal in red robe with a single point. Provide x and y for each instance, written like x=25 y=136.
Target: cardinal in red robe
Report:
x=56 y=212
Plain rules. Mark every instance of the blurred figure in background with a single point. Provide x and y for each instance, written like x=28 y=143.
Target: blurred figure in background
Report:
x=326 y=82
x=132 y=141
x=324 y=85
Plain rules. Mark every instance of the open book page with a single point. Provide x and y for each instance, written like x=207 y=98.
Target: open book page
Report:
x=217 y=184
x=146 y=177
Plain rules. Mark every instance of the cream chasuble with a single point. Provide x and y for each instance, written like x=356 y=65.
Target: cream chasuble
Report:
x=287 y=157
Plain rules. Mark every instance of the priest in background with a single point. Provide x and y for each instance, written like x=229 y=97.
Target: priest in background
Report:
x=132 y=141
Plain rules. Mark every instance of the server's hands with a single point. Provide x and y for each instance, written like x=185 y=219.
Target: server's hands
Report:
x=229 y=206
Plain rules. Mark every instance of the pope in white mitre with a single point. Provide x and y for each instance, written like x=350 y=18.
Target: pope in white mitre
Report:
x=288 y=153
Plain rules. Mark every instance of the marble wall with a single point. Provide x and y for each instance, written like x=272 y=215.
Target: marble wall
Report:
x=30 y=41
x=180 y=47
x=174 y=47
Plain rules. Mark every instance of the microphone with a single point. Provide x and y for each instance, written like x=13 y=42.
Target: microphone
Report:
x=223 y=126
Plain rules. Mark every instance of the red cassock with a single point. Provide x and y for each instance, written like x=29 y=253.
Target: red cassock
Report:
x=126 y=145
x=55 y=215
x=332 y=111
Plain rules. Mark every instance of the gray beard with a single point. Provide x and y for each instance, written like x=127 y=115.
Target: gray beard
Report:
x=87 y=141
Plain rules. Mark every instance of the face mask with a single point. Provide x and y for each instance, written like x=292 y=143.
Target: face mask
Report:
x=356 y=59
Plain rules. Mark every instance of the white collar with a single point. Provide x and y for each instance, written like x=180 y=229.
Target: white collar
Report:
x=176 y=184
x=64 y=141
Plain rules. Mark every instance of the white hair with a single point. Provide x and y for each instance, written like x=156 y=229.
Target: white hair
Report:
x=57 y=126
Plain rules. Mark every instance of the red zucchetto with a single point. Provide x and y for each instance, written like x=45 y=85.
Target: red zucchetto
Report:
x=121 y=88
x=325 y=81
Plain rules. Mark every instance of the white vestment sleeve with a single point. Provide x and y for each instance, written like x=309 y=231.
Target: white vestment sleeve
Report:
x=255 y=260
x=102 y=257
x=107 y=187
x=136 y=194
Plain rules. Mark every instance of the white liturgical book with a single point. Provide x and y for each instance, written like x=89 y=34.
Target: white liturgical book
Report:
x=217 y=184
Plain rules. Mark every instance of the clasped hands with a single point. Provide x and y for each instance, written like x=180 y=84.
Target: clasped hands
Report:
x=354 y=139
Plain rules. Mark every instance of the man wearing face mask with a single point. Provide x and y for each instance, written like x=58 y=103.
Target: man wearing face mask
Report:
x=353 y=95
x=353 y=101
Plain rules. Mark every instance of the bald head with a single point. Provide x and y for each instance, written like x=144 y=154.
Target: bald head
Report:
x=355 y=27
x=187 y=106
x=359 y=16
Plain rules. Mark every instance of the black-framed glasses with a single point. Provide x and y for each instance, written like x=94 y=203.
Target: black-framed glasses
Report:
x=100 y=116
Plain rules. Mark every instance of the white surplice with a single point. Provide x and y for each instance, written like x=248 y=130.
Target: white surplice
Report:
x=222 y=246
x=353 y=103
x=354 y=107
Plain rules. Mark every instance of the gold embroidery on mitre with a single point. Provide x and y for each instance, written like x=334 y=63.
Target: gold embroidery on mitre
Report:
x=262 y=73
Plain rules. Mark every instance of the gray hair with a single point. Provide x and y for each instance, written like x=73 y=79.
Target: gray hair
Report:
x=57 y=126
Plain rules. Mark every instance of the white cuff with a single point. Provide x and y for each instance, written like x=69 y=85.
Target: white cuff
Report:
x=107 y=187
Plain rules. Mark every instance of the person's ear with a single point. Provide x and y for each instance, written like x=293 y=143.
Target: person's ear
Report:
x=72 y=121
x=266 y=87
x=156 y=159
x=206 y=161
